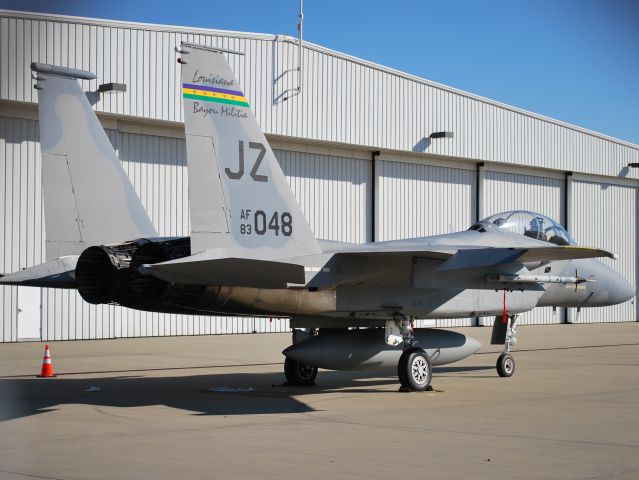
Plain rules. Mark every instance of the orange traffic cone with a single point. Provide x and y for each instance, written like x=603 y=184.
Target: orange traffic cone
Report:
x=47 y=366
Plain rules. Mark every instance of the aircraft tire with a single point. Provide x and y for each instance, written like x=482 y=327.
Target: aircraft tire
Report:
x=299 y=374
x=505 y=365
x=415 y=370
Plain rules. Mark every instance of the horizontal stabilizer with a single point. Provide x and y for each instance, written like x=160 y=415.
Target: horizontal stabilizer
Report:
x=57 y=273
x=232 y=272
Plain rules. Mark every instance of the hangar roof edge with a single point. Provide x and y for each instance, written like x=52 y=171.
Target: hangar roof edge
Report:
x=320 y=48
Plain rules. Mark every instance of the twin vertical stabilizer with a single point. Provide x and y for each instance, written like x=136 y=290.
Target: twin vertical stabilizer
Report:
x=88 y=197
x=241 y=203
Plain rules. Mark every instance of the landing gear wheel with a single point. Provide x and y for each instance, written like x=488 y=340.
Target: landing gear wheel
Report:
x=299 y=374
x=505 y=365
x=414 y=370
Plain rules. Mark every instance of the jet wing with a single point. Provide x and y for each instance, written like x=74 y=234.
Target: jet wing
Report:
x=349 y=265
x=436 y=252
x=568 y=252
x=319 y=270
x=476 y=256
x=485 y=257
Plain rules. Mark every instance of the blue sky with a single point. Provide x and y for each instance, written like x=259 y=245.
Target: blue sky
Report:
x=574 y=60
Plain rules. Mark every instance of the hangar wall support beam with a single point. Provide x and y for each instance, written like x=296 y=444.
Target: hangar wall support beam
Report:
x=480 y=211
x=480 y=179
x=568 y=224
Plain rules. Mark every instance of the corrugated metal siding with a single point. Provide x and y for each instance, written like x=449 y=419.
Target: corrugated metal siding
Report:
x=512 y=191
x=343 y=100
x=332 y=192
x=605 y=216
x=416 y=200
x=157 y=168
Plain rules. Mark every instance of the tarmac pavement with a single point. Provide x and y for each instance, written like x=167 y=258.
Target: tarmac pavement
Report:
x=214 y=407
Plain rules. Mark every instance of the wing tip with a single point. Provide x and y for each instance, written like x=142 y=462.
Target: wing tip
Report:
x=603 y=253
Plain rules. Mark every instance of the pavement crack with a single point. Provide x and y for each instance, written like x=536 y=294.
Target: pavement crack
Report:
x=29 y=475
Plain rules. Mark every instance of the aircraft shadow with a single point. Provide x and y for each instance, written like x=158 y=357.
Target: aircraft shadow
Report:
x=454 y=371
x=233 y=394
x=20 y=397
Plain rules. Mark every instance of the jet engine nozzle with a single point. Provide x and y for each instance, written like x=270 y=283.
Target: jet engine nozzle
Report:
x=97 y=271
x=110 y=274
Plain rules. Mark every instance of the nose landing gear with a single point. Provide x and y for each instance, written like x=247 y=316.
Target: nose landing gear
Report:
x=505 y=365
x=505 y=334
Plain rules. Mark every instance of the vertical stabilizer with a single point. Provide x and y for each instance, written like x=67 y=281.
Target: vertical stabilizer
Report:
x=241 y=203
x=88 y=197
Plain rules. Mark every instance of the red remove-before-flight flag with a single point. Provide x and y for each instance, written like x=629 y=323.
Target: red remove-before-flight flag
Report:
x=504 y=319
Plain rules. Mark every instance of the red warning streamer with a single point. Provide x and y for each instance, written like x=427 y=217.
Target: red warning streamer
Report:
x=504 y=318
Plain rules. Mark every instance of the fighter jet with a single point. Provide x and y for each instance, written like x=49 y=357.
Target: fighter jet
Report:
x=252 y=252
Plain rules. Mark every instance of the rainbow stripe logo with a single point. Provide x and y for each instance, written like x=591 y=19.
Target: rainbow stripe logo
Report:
x=214 y=94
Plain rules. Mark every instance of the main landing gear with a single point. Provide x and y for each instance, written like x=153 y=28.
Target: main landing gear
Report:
x=299 y=374
x=414 y=368
x=506 y=334
x=505 y=365
x=296 y=373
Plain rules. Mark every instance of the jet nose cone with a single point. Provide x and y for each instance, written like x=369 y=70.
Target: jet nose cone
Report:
x=608 y=287
x=624 y=293
x=618 y=288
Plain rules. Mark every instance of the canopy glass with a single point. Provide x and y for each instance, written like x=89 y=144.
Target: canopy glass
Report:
x=531 y=224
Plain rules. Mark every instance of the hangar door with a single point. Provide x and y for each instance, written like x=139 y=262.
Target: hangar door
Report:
x=420 y=199
x=332 y=192
x=593 y=221
x=511 y=190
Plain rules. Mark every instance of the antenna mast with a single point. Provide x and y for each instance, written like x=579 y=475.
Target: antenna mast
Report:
x=300 y=37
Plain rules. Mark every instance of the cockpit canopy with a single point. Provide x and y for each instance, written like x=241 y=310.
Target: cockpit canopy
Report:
x=530 y=224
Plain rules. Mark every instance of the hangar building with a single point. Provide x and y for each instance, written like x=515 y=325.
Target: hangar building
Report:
x=356 y=144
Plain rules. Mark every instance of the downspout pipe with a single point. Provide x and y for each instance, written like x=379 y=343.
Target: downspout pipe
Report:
x=373 y=200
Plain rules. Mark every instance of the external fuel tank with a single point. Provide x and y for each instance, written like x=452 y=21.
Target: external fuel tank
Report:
x=366 y=349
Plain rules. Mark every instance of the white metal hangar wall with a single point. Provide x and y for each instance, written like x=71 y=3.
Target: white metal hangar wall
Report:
x=326 y=139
